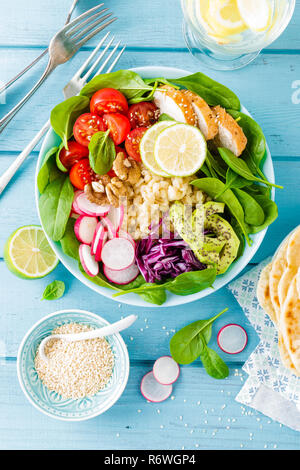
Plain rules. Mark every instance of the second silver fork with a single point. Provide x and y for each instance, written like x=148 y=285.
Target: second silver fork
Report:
x=73 y=87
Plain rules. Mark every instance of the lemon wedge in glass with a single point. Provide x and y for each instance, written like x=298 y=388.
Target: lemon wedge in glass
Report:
x=224 y=18
x=256 y=14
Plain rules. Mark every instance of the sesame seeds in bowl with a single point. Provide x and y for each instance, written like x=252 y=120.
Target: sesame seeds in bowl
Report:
x=95 y=392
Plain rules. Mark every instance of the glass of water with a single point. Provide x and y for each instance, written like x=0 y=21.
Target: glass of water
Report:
x=229 y=34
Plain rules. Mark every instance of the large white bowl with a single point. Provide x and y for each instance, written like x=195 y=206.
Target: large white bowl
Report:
x=133 y=299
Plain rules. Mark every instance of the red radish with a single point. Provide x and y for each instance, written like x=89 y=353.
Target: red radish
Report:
x=98 y=235
x=118 y=254
x=75 y=207
x=87 y=260
x=116 y=216
x=232 y=338
x=127 y=236
x=154 y=391
x=90 y=208
x=121 y=277
x=165 y=370
x=99 y=247
x=84 y=228
x=111 y=229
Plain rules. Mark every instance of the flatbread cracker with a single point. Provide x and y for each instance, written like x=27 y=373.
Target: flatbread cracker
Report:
x=293 y=264
x=263 y=292
x=279 y=265
x=290 y=323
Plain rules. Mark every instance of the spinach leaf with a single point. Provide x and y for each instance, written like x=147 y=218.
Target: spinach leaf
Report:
x=254 y=214
x=214 y=187
x=54 y=291
x=217 y=164
x=165 y=117
x=55 y=206
x=270 y=210
x=188 y=343
x=69 y=243
x=48 y=171
x=211 y=91
x=233 y=180
x=213 y=364
x=102 y=152
x=64 y=115
x=126 y=81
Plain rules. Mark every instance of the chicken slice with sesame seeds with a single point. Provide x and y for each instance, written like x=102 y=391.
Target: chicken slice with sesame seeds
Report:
x=231 y=135
x=174 y=103
x=206 y=118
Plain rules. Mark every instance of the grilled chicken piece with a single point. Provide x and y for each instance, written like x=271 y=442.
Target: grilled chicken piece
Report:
x=174 y=103
x=206 y=118
x=231 y=135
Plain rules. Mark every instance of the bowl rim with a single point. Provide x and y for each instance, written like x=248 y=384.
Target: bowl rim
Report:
x=62 y=312
x=173 y=300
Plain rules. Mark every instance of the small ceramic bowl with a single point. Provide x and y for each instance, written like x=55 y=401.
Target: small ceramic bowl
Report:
x=51 y=403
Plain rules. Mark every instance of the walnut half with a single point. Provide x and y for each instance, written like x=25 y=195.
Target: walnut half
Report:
x=95 y=192
x=126 y=169
x=115 y=191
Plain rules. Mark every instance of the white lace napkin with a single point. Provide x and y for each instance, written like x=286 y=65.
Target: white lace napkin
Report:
x=270 y=388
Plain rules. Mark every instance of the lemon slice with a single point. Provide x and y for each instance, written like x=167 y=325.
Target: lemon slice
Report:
x=224 y=17
x=147 y=147
x=28 y=254
x=256 y=14
x=180 y=150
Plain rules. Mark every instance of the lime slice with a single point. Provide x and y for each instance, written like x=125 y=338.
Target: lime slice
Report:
x=147 y=147
x=223 y=16
x=180 y=150
x=28 y=254
x=256 y=14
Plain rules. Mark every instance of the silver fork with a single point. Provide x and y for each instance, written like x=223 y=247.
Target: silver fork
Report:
x=64 y=45
x=71 y=89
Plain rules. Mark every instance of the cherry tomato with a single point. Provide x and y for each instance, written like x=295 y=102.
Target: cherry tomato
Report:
x=132 y=142
x=108 y=100
x=85 y=126
x=81 y=174
x=119 y=126
x=75 y=152
x=143 y=114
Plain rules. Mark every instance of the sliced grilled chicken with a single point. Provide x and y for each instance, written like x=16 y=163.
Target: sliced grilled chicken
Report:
x=231 y=135
x=206 y=118
x=174 y=103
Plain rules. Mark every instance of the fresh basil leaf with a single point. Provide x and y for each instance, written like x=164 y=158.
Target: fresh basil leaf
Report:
x=254 y=214
x=48 y=171
x=54 y=291
x=211 y=91
x=64 y=115
x=102 y=152
x=55 y=206
x=69 y=243
x=213 y=364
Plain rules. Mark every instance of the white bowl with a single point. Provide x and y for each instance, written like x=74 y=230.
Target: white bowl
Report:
x=52 y=140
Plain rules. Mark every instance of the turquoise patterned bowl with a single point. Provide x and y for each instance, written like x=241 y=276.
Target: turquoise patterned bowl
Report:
x=51 y=403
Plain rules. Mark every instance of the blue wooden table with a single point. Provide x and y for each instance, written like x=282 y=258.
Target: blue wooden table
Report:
x=202 y=413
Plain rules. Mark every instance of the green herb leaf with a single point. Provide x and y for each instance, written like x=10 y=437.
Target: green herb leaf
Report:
x=54 y=291
x=213 y=364
x=69 y=243
x=254 y=214
x=270 y=212
x=102 y=152
x=165 y=117
x=48 y=171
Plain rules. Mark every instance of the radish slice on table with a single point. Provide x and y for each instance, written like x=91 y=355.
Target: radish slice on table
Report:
x=116 y=216
x=100 y=245
x=165 y=370
x=87 y=260
x=118 y=254
x=232 y=338
x=121 y=277
x=84 y=228
x=154 y=391
x=75 y=207
x=98 y=235
x=123 y=234
x=90 y=208
x=111 y=229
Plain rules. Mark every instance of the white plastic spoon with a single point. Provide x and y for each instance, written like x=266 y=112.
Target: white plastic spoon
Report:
x=97 y=333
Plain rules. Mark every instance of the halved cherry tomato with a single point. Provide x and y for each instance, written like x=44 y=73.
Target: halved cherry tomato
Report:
x=108 y=100
x=132 y=142
x=85 y=126
x=75 y=152
x=119 y=126
x=143 y=114
x=81 y=174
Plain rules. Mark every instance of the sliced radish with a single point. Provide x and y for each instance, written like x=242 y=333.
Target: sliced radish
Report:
x=118 y=254
x=98 y=234
x=75 y=207
x=127 y=236
x=87 y=260
x=112 y=231
x=232 y=338
x=100 y=245
x=121 y=277
x=116 y=216
x=84 y=228
x=90 y=208
x=154 y=391
x=165 y=370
